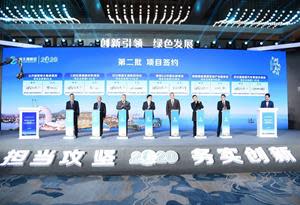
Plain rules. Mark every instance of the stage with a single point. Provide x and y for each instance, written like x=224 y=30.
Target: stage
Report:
x=124 y=148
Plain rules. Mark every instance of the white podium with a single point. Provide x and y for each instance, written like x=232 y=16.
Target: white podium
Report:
x=175 y=125
x=267 y=122
x=200 y=131
x=96 y=115
x=69 y=124
x=225 y=134
x=148 y=125
x=29 y=123
x=122 y=125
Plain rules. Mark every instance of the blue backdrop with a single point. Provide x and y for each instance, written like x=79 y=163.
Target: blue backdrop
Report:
x=243 y=75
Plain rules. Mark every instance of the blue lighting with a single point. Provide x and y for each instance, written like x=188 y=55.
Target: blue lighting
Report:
x=98 y=5
x=198 y=6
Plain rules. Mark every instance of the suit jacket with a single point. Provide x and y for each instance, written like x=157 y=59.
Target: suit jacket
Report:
x=264 y=104
x=169 y=107
x=102 y=109
x=125 y=106
x=151 y=107
x=195 y=107
x=220 y=105
x=75 y=107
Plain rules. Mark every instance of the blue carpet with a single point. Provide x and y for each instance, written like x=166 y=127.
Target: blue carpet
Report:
x=218 y=189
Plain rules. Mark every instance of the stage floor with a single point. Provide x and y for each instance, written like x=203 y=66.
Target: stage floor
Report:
x=185 y=164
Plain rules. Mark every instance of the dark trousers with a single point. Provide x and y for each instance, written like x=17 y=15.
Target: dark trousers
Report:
x=101 y=126
x=170 y=125
x=76 y=125
x=127 y=128
x=194 y=128
x=219 y=124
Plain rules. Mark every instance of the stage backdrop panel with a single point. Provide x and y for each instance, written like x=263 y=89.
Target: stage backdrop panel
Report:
x=51 y=74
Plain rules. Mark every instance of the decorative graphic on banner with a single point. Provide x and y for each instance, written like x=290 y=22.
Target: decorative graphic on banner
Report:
x=275 y=66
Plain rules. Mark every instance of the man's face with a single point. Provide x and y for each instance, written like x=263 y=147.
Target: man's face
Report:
x=99 y=98
x=149 y=98
x=72 y=97
x=267 y=98
x=123 y=97
x=172 y=96
x=223 y=98
x=195 y=98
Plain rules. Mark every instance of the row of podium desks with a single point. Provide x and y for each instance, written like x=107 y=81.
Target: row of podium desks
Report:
x=29 y=124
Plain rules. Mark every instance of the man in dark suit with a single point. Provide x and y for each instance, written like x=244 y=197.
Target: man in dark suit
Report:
x=267 y=103
x=172 y=104
x=196 y=105
x=99 y=105
x=149 y=105
x=74 y=105
x=223 y=104
x=124 y=104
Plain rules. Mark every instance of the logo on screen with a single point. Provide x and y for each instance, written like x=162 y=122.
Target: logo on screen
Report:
x=14 y=60
x=275 y=66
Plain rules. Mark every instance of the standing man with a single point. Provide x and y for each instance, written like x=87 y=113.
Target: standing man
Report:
x=149 y=105
x=124 y=104
x=99 y=105
x=223 y=104
x=267 y=103
x=74 y=105
x=196 y=105
x=172 y=104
